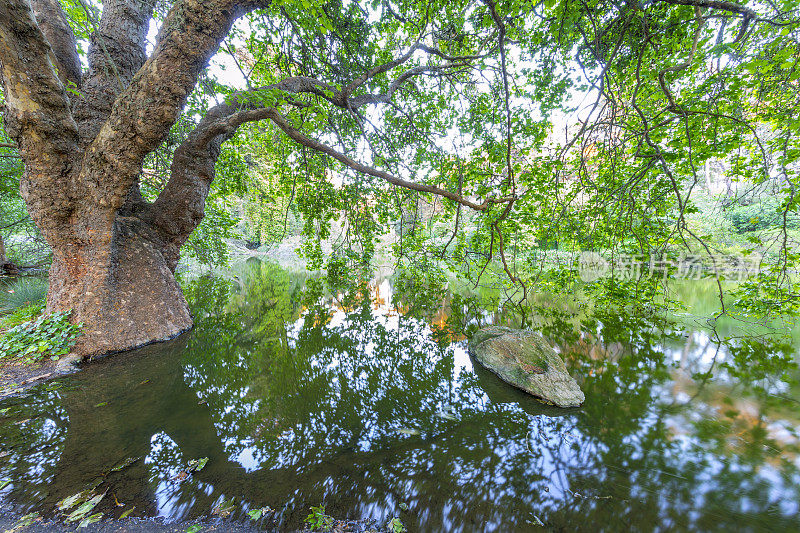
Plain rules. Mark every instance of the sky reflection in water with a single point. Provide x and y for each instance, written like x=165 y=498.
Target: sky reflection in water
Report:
x=360 y=408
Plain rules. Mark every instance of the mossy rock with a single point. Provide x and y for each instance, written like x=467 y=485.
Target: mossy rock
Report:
x=525 y=360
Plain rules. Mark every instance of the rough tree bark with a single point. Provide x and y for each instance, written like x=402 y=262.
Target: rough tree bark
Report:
x=113 y=263
x=114 y=254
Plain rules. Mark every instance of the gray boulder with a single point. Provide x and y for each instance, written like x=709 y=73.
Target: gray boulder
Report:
x=524 y=359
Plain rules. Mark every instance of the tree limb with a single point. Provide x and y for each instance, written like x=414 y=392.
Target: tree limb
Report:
x=179 y=207
x=55 y=28
x=37 y=114
x=379 y=69
x=681 y=66
x=721 y=5
x=143 y=114
x=300 y=138
x=116 y=53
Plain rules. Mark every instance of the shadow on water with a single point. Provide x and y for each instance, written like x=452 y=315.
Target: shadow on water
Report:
x=357 y=406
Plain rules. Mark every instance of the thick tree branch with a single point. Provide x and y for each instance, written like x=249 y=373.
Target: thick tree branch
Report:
x=720 y=5
x=453 y=62
x=37 y=114
x=364 y=99
x=55 y=28
x=179 y=207
x=144 y=112
x=300 y=138
x=36 y=103
x=116 y=53
x=342 y=98
x=379 y=69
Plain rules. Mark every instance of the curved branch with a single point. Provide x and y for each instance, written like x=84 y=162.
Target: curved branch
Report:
x=453 y=62
x=364 y=99
x=297 y=136
x=379 y=69
x=179 y=208
x=55 y=28
x=37 y=113
x=720 y=5
x=143 y=114
x=723 y=5
x=681 y=66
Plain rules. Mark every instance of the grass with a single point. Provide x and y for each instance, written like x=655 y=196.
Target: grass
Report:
x=22 y=293
x=21 y=315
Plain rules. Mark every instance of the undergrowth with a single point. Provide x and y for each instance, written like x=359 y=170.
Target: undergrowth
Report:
x=49 y=336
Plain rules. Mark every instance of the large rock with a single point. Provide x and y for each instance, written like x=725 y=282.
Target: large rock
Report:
x=524 y=359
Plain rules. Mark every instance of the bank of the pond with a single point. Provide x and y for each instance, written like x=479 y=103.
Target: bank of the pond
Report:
x=13 y=521
x=16 y=376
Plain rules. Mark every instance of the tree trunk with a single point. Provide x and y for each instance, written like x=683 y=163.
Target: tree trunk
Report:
x=114 y=255
x=122 y=288
x=6 y=265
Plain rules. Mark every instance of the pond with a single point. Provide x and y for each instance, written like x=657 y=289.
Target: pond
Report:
x=359 y=406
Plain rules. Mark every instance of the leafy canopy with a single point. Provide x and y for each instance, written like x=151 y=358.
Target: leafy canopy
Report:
x=508 y=126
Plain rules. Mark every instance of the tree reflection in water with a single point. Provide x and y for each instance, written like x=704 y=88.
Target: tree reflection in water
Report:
x=360 y=407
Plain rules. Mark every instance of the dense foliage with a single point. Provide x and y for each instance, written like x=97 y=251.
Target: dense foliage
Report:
x=598 y=122
x=520 y=133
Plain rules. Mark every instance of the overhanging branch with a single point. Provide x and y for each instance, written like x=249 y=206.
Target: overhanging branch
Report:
x=297 y=136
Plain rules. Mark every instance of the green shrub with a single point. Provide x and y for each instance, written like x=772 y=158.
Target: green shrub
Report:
x=48 y=336
x=22 y=292
x=762 y=215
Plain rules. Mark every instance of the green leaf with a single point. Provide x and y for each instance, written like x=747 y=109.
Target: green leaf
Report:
x=71 y=501
x=396 y=526
x=85 y=508
x=25 y=521
x=91 y=519
x=195 y=465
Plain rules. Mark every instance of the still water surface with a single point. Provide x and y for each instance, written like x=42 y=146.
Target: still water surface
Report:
x=358 y=407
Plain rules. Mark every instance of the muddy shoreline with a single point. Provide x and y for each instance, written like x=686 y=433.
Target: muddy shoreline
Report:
x=16 y=376
x=11 y=519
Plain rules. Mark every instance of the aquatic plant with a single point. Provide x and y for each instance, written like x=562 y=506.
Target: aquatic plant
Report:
x=318 y=520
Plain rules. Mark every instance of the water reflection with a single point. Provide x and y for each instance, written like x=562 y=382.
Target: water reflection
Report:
x=357 y=405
